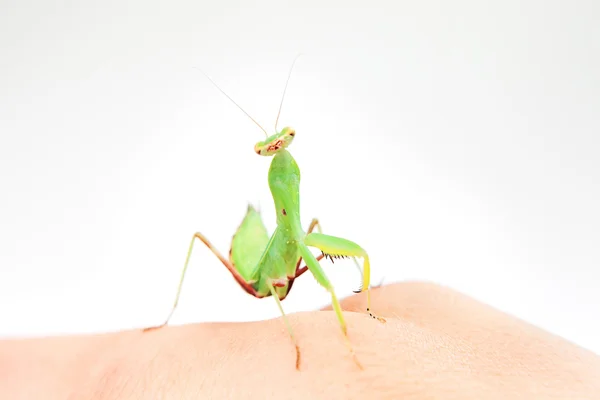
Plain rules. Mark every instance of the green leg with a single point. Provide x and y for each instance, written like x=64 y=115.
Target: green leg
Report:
x=343 y=247
x=286 y=321
x=247 y=287
x=299 y=271
x=319 y=274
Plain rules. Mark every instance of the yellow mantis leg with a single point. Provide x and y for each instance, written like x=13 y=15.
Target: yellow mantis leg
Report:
x=331 y=245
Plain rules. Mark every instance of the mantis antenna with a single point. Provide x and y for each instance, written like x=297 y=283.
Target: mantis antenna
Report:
x=284 y=89
x=233 y=101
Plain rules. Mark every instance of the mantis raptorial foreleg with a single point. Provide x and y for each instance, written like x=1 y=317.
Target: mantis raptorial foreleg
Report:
x=332 y=245
x=238 y=277
x=344 y=247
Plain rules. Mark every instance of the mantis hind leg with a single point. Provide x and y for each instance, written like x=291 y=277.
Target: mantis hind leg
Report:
x=332 y=246
x=245 y=285
x=319 y=274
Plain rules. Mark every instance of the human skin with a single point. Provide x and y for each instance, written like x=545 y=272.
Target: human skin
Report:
x=436 y=344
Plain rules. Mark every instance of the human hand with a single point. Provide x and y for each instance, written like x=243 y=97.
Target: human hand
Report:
x=436 y=343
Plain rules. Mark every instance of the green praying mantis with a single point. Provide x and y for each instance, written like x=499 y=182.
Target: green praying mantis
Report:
x=267 y=266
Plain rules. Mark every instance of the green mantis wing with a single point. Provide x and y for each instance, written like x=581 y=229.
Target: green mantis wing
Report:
x=248 y=245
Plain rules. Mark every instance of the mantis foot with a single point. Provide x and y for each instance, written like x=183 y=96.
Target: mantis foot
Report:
x=380 y=319
x=151 y=328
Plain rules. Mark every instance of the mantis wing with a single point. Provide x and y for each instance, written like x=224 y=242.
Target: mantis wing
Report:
x=248 y=244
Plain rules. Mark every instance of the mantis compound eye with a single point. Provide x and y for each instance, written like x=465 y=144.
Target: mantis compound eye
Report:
x=288 y=131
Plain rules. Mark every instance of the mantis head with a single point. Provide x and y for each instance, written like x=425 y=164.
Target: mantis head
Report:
x=276 y=142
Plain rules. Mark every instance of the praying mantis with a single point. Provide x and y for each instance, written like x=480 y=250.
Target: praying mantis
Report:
x=267 y=266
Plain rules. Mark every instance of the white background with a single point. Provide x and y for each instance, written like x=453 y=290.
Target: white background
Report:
x=458 y=143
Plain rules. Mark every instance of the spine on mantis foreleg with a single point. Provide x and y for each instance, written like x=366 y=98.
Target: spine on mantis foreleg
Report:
x=336 y=247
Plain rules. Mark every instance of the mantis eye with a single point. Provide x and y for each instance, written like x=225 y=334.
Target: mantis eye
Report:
x=288 y=131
